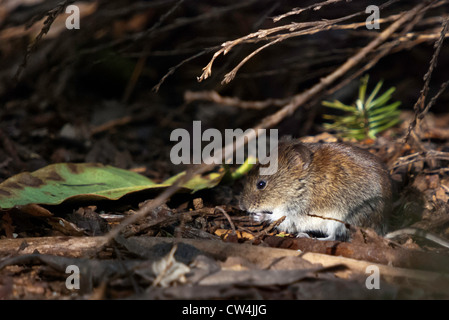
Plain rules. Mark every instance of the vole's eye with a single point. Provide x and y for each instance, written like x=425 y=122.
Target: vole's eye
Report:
x=261 y=184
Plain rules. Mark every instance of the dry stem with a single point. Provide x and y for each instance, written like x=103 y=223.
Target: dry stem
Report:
x=213 y=96
x=419 y=107
x=292 y=29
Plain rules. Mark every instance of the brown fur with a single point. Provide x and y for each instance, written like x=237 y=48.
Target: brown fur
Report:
x=330 y=180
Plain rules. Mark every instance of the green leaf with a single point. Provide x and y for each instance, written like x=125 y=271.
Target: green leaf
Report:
x=384 y=127
x=383 y=122
x=342 y=119
x=381 y=110
x=330 y=117
x=57 y=183
x=337 y=105
x=197 y=182
x=362 y=88
x=384 y=116
x=366 y=117
x=383 y=98
x=373 y=95
x=360 y=106
x=244 y=168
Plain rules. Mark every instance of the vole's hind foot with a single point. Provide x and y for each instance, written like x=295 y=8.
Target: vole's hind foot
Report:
x=317 y=235
x=328 y=238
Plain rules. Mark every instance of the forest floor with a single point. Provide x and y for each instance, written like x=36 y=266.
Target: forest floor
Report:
x=112 y=92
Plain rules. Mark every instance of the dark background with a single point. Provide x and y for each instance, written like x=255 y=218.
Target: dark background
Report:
x=75 y=81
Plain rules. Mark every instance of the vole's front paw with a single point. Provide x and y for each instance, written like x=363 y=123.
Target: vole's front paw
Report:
x=258 y=217
x=303 y=235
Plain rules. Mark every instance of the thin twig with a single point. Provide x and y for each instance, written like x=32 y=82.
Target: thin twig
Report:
x=420 y=156
x=266 y=230
x=432 y=101
x=228 y=218
x=293 y=29
x=213 y=96
x=142 y=59
x=315 y=6
x=303 y=97
x=385 y=49
x=173 y=69
x=51 y=17
x=419 y=105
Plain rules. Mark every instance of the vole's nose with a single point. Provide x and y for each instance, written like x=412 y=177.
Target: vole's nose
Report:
x=242 y=205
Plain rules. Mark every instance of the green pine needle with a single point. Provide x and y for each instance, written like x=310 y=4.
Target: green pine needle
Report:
x=366 y=117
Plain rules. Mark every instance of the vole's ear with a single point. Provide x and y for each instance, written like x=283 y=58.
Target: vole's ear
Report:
x=301 y=155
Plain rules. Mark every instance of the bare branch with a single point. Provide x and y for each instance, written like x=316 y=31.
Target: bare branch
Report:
x=213 y=96
x=295 y=11
x=419 y=108
x=293 y=30
x=51 y=16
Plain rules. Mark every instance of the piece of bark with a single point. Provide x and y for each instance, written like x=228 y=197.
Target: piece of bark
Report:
x=61 y=246
x=374 y=253
x=259 y=254
x=88 y=246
